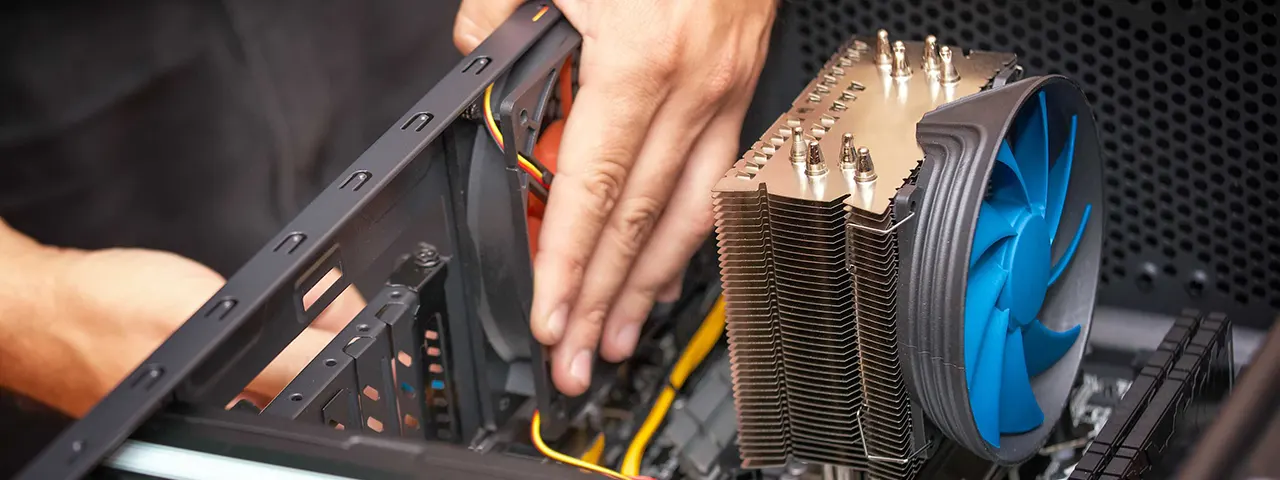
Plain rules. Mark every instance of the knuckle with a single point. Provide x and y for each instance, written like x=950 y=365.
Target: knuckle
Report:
x=725 y=75
x=593 y=320
x=635 y=221
x=604 y=180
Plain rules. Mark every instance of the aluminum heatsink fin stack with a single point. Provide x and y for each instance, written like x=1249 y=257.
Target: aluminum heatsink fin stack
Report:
x=887 y=423
x=809 y=223
x=814 y=294
x=746 y=268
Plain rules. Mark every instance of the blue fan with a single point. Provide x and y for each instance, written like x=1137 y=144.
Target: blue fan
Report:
x=1010 y=272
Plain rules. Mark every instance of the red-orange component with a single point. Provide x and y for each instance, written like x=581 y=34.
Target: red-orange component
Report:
x=547 y=150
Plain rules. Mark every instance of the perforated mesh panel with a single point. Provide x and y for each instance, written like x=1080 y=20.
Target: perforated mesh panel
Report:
x=1185 y=95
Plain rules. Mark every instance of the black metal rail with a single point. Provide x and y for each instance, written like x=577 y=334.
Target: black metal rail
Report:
x=357 y=226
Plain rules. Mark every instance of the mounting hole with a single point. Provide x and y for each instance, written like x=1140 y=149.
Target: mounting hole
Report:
x=363 y=327
x=329 y=362
x=1195 y=288
x=297 y=397
x=1199 y=279
x=1145 y=282
x=396 y=295
x=524 y=117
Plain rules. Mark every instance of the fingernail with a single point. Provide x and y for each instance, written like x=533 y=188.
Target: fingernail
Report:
x=625 y=339
x=555 y=322
x=580 y=368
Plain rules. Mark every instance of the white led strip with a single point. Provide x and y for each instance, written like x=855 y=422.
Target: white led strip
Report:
x=181 y=464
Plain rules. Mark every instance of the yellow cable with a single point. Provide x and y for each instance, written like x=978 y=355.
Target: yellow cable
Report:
x=703 y=341
x=595 y=451
x=497 y=134
x=536 y=434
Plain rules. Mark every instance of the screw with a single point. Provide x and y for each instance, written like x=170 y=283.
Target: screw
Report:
x=472 y=112
x=426 y=256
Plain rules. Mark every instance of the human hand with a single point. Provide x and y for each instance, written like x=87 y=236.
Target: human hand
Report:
x=663 y=88
x=97 y=315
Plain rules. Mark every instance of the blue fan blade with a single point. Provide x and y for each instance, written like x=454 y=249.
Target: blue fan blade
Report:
x=1061 y=266
x=984 y=388
x=992 y=226
x=986 y=279
x=1059 y=180
x=1019 y=412
x=1006 y=182
x=1029 y=262
x=1045 y=346
x=1032 y=151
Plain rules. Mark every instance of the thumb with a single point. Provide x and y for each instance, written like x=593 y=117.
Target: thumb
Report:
x=479 y=18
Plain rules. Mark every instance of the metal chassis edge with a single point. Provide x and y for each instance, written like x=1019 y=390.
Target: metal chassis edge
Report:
x=351 y=226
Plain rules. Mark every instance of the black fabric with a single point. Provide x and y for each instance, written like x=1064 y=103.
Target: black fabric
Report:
x=197 y=127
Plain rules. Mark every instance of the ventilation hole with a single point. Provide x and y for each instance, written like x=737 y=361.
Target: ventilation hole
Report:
x=411 y=421
x=374 y=424
x=1195 y=287
x=370 y=392
x=1145 y=282
x=1206 y=71
x=404 y=359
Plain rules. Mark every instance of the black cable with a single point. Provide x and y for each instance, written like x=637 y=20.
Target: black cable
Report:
x=538 y=190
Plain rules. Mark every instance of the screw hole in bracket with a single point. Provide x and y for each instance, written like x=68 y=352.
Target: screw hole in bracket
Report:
x=418 y=121
x=356 y=180
x=477 y=65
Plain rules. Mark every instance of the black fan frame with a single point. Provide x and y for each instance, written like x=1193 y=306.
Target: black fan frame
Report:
x=960 y=141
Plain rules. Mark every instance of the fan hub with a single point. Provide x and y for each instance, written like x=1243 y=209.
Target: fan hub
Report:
x=1027 y=260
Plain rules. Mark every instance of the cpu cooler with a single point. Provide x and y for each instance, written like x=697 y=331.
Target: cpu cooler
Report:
x=910 y=256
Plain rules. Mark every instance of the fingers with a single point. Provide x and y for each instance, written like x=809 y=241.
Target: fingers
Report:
x=602 y=138
x=288 y=364
x=629 y=226
x=671 y=292
x=479 y=18
x=613 y=112
x=678 y=235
